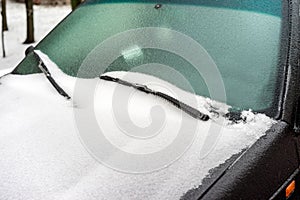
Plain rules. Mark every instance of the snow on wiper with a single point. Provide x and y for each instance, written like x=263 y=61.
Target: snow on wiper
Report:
x=47 y=73
x=143 y=88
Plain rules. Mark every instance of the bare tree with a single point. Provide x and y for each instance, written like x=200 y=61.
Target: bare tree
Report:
x=4 y=26
x=30 y=27
x=3 y=47
x=3 y=13
x=75 y=3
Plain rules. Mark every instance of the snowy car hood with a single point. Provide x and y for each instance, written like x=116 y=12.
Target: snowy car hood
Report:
x=42 y=155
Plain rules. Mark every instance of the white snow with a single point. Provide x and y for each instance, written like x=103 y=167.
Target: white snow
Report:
x=45 y=19
x=42 y=156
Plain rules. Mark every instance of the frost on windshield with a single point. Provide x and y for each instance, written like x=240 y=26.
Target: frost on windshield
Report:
x=43 y=155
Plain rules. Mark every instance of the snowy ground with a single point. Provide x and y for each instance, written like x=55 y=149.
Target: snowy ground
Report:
x=45 y=19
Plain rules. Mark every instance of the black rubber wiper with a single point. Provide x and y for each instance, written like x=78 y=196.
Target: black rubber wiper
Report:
x=47 y=73
x=143 y=88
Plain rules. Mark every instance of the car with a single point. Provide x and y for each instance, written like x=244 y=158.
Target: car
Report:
x=195 y=99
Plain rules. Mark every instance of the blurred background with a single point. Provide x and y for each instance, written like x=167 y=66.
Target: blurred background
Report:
x=25 y=23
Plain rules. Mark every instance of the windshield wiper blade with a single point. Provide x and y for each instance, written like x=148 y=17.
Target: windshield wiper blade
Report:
x=47 y=73
x=143 y=88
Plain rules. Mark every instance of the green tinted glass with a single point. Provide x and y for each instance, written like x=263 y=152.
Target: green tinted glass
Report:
x=242 y=38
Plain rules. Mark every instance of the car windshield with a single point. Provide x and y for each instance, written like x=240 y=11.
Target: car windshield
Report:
x=242 y=39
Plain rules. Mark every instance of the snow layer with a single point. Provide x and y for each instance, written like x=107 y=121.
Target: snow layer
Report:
x=42 y=156
x=45 y=18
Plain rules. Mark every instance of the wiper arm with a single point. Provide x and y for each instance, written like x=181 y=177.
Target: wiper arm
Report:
x=143 y=88
x=47 y=73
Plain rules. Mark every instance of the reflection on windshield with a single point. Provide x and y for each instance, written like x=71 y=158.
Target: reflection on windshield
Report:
x=242 y=39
